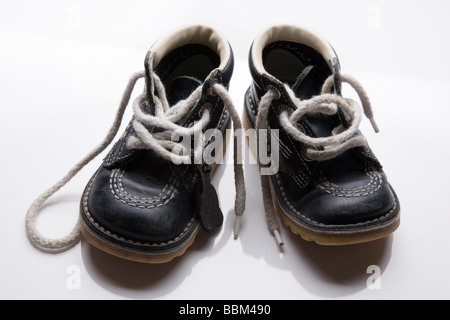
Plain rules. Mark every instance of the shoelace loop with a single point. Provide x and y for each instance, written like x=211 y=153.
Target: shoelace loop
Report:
x=342 y=139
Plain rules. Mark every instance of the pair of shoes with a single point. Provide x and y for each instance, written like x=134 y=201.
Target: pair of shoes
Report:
x=152 y=193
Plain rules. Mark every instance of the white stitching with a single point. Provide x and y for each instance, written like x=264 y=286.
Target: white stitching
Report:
x=322 y=224
x=371 y=187
x=88 y=215
x=297 y=177
x=143 y=203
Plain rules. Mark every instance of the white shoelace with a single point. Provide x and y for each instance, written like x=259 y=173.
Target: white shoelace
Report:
x=319 y=148
x=165 y=117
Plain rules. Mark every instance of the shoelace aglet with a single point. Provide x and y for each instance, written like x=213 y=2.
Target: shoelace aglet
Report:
x=374 y=124
x=237 y=226
x=277 y=236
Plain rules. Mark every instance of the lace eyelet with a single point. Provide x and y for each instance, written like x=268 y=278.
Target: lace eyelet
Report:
x=211 y=91
x=303 y=153
x=273 y=88
x=283 y=107
x=205 y=106
x=301 y=128
x=366 y=149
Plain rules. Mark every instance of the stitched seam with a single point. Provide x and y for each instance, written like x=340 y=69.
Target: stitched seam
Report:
x=368 y=186
x=190 y=183
x=283 y=194
x=287 y=153
x=170 y=184
x=371 y=187
x=115 y=156
x=252 y=105
x=322 y=224
x=222 y=119
x=298 y=179
x=365 y=191
x=111 y=234
x=299 y=156
x=144 y=203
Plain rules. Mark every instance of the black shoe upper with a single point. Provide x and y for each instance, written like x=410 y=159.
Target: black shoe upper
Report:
x=138 y=199
x=346 y=193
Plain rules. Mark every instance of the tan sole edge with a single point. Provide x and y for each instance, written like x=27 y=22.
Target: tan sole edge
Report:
x=321 y=238
x=132 y=255
x=137 y=256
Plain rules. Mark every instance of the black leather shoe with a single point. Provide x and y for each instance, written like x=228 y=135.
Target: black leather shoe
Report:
x=147 y=202
x=325 y=182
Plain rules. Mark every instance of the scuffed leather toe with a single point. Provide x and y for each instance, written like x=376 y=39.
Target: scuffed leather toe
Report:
x=333 y=206
x=139 y=205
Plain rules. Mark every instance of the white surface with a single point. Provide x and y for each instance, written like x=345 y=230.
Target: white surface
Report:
x=63 y=67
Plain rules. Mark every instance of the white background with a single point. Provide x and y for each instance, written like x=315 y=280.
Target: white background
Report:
x=63 y=67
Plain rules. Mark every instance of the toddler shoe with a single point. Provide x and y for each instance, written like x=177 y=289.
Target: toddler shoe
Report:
x=152 y=193
x=322 y=179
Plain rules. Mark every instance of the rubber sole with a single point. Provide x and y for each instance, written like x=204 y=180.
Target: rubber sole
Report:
x=323 y=237
x=135 y=255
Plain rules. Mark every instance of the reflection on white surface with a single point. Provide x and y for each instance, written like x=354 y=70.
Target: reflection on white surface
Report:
x=64 y=65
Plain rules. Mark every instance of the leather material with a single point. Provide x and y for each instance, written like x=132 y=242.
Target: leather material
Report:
x=138 y=200
x=345 y=194
x=210 y=215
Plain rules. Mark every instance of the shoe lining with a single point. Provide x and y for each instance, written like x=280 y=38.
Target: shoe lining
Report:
x=290 y=34
x=197 y=34
x=192 y=60
x=287 y=60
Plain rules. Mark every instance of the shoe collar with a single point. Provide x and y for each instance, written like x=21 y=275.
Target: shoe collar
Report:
x=293 y=34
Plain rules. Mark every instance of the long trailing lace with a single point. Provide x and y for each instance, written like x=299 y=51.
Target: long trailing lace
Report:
x=318 y=148
x=165 y=117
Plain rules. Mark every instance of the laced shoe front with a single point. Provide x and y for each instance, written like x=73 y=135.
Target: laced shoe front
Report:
x=324 y=180
x=153 y=193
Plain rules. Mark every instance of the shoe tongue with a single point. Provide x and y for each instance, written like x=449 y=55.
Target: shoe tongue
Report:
x=182 y=88
x=308 y=83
